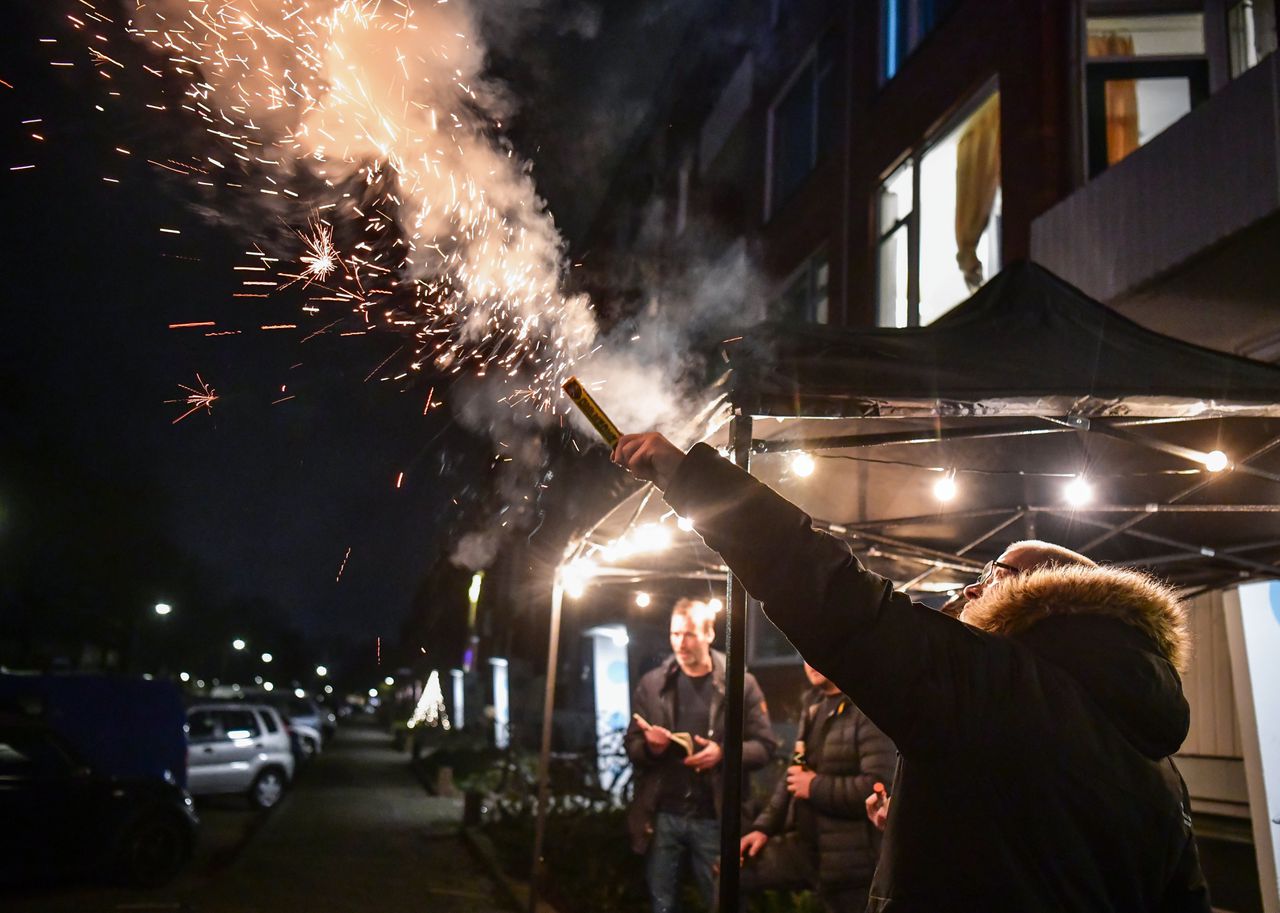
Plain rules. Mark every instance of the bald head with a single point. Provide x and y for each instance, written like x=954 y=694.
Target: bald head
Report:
x=1018 y=558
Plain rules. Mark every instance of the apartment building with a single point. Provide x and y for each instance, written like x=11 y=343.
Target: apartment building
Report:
x=875 y=162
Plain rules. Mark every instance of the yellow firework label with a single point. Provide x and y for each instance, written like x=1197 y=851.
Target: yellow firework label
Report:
x=595 y=415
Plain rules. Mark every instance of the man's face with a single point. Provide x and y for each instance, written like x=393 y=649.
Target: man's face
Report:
x=690 y=641
x=1013 y=561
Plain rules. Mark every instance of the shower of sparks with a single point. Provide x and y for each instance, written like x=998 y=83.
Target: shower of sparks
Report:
x=368 y=128
x=201 y=396
x=321 y=258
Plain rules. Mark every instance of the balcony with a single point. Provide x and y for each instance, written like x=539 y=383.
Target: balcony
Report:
x=1182 y=235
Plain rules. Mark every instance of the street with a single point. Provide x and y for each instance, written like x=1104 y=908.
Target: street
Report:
x=357 y=833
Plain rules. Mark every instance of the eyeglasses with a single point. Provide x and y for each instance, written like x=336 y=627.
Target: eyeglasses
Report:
x=989 y=571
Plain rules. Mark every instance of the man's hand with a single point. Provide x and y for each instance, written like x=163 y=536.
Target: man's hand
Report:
x=799 y=780
x=708 y=757
x=751 y=845
x=878 y=807
x=657 y=738
x=649 y=456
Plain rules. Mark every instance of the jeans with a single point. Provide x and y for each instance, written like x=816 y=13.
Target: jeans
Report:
x=674 y=836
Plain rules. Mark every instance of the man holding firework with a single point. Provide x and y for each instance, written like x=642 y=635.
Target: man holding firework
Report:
x=675 y=744
x=1035 y=730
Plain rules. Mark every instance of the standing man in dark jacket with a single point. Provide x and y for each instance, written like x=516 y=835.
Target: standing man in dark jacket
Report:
x=815 y=832
x=1035 y=730
x=674 y=741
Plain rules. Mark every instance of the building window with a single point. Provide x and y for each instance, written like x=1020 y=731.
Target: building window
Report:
x=802 y=123
x=804 y=298
x=939 y=218
x=903 y=25
x=1251 y=33
x=1143 y=74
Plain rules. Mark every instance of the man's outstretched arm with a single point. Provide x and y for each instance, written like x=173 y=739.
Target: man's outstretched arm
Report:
x=909 y=668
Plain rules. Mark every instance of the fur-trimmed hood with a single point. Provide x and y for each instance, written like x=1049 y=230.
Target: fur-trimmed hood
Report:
x=1120 y=633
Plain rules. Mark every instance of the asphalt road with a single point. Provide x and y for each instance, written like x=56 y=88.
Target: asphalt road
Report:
x=356 y=834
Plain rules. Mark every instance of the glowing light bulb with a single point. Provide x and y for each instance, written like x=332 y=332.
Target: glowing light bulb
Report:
x=945 y=488
x=184 y=676
x=1216 y=461
x=388 y=680
x=643 y=600
x=803 y=465
x=321 y=671
x=652 y=538
x=715 y=605
x=267 y=686
x=299 y=693
x=267 y=657
x=237 y=644
x=684 y=524
x=1078 y=492
x=163 y=608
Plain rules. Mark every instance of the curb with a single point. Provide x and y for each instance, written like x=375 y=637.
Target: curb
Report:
x=515 y=892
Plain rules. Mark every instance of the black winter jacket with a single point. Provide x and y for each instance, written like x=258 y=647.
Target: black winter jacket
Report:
x=853 y=755
x=654 y=699
x=1034 y=772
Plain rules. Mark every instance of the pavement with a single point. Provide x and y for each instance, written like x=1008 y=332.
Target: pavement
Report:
x=356 y=834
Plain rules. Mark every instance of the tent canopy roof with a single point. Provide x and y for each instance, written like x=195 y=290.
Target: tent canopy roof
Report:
x=1023 y=387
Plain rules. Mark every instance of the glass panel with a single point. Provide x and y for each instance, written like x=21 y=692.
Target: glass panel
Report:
x=1173 y=35
x=1138 y=110
x=793 y=139
x=959 y=223
x=239 y=724
x=201 y=727
x=1251 y=33
x=767 y=643
x=896 y=197
x=805 y=298
x=821 y=301
x=893 y=311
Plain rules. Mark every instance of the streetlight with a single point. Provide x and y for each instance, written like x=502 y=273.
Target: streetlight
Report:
x=266 y=657
x=321 y=671
x=237 y=644
x=388 y=680
x=163 y=608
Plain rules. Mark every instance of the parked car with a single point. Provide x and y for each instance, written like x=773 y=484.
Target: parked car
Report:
x=61 y=816
x=238 y=747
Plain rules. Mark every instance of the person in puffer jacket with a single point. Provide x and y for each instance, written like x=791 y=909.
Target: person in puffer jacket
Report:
x=814 y=833
x=1035 y=732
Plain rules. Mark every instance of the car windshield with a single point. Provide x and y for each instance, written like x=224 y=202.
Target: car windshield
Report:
x=29 y=752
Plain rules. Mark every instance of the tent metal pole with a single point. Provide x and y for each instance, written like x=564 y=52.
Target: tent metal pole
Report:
x=1182 y=495
x=544 y=755
x=1201 y=551
x=968 y=547
x=735 y=636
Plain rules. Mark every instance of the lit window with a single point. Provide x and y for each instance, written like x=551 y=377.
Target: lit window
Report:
x=939 y=220
x=1251 y=33
x=802 y=123
x=903 y=25
x=804 y=298
x=1143 y=74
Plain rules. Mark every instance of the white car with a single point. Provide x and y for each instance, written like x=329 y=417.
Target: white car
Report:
x=237 y=747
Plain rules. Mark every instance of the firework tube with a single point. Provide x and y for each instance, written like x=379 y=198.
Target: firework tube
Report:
x=595 y=415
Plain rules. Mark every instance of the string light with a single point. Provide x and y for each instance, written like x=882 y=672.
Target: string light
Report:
x=1216 y=461
x=1078 y=492
x=643 y=600
x=684 y=524
x=802 y=465
x=945 y=488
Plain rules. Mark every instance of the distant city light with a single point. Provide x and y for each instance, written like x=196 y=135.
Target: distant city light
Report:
x=257 y=679
x=183 y=676
x=267 y=686
x=321 y=671
x=373 y=692
x=299 y=693
x=328 y=689
x=199 y=683
x=267 y=657
x=802 y=464
x=163 y=608
x=237 y=644
x=388 y=680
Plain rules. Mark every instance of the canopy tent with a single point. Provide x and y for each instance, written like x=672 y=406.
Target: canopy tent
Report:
x=1021 y=389
x=1026 y=387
